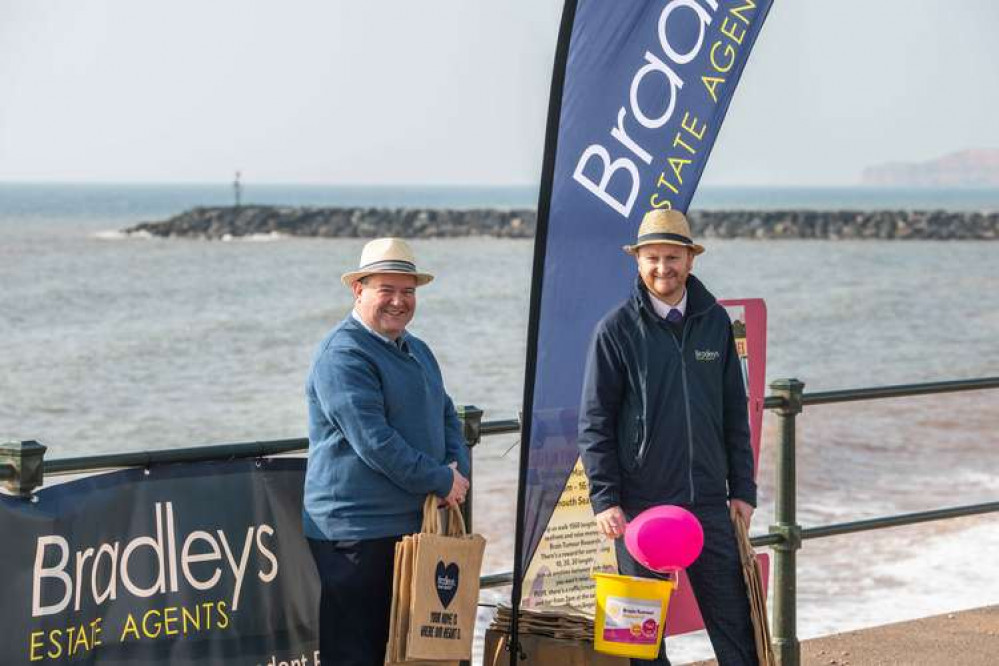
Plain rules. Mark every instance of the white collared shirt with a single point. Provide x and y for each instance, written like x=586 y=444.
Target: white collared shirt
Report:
x=662 y=308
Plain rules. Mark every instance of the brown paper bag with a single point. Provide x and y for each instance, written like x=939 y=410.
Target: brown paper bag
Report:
x=395 y=651
x=757 y=595
x=445 y=587
x=545 y=651
x=393 y=635
x=403 y=585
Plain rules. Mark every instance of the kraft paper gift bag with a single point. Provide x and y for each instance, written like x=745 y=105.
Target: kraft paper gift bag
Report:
x=757 y=595
x=395 y=651
x=402 y=586
x=545 y=651
x=444 y=595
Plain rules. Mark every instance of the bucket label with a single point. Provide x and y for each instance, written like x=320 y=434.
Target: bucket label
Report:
x=632 y=620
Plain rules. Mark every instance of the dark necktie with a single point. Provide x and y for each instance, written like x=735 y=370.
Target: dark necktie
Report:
x=674 y=316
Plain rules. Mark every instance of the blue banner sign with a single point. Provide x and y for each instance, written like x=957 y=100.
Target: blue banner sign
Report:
x=639 y=93
x=178 y=564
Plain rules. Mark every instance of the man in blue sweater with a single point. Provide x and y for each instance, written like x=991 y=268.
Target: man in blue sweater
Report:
x=383 y=434
x=663 y=420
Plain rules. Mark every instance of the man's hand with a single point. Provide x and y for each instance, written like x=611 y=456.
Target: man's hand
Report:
x=611 y=522
x=744 y=509
x=459 y=487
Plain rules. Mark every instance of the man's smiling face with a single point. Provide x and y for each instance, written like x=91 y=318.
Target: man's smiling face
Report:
x=386 y=302
x=664 y=268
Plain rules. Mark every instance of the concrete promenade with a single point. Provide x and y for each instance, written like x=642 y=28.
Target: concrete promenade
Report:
x=967 y=638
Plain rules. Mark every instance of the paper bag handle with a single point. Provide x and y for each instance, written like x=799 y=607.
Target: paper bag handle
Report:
x=432 y=523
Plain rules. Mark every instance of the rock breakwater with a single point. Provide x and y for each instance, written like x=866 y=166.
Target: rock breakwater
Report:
x=230 y=222
x=842 y=225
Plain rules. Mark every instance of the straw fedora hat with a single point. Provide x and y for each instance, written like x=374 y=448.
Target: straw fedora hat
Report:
x=386 y=255
x=664 y=226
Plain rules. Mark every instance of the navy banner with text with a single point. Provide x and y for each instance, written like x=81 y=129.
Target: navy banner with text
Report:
x=181 y=564
x=639 y=93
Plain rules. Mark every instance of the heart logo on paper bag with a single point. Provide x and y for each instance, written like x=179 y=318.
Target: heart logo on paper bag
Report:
x=447 y=582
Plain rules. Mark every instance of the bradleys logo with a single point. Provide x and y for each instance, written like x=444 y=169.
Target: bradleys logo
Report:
x=667 y=66
x=706 y=355
x=447 y=582
x=172 y=554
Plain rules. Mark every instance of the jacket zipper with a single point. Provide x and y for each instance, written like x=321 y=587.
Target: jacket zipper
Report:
x=686 y=407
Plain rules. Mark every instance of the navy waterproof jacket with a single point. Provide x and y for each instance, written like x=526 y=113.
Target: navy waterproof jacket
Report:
x=663 y=417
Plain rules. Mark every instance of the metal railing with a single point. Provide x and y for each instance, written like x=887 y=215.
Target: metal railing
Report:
x=786 y=535
x=22 y=467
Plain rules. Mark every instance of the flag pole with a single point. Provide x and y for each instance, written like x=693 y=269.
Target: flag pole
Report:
x=537 y=277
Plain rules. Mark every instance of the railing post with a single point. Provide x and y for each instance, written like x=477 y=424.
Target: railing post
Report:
x=785 y=633
x=471 y=426
x=22 y=466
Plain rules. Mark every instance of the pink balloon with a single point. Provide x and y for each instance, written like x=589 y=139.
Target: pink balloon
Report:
x=664 y=537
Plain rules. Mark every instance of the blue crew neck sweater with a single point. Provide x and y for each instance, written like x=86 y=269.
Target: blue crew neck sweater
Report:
x=382 y=431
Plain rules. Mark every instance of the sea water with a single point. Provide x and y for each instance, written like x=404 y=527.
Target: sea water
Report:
x=111 y=343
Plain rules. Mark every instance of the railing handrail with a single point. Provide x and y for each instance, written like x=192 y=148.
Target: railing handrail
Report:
x=108 y=461
x=824 y=531
x=882 y=392
x=59 y=466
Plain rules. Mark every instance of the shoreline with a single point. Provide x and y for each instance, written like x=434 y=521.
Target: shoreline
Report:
x=226 y=222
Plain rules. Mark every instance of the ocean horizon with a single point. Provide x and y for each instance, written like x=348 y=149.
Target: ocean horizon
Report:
x=165 y=199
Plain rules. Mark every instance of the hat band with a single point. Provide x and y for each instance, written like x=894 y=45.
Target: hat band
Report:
x=649 y=238
x=394 y=265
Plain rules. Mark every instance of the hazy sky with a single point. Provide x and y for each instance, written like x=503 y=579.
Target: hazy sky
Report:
x=454 y=92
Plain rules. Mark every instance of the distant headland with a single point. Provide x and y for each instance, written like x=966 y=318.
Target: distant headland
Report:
x=968 y=168
x=224 y=223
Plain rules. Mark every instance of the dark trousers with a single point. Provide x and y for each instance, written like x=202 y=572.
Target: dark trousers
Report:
x=716 y=577
x=355 y=601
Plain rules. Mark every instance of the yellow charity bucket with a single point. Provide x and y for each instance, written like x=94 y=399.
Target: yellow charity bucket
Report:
x=630 y=614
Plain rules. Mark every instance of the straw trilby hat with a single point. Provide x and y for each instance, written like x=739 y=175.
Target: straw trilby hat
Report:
x=664 y=226
x=386 y=255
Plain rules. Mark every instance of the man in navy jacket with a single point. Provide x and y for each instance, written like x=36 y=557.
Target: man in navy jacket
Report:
x=663 y=420
x=383 y=434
